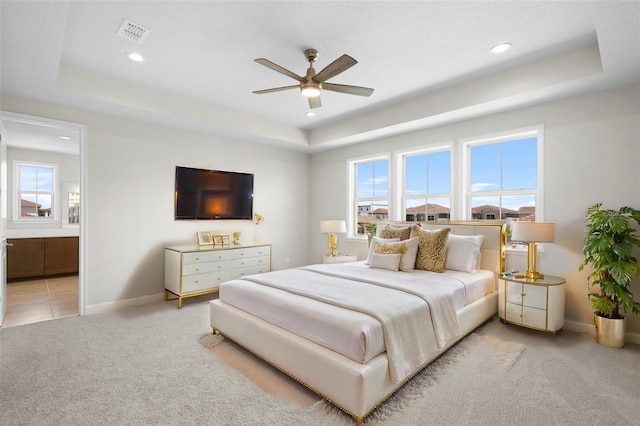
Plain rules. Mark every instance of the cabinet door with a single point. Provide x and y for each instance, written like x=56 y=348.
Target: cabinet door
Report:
x=535 y=296
x=25 y=257
x=61 y=255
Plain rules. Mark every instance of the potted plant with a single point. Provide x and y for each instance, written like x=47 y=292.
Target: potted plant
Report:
x=371 y=231
x=608 y=248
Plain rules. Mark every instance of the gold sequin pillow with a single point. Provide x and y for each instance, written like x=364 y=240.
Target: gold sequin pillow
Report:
x=393 y=248
x=390 y=231
x=432 y=248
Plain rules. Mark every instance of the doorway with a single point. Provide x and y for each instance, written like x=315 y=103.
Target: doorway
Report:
x=44 y=236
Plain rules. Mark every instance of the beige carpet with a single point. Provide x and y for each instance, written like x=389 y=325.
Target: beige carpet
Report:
x=474 y=355
x=145 y=366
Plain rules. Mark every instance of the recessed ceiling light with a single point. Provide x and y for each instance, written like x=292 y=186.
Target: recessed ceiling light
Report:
x=500 y=48
x=66 y=138
x=310 y=114
x=134 y=56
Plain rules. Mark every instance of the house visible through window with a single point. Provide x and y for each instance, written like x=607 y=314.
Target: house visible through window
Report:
x=427 y=185
x=35 y=191
x=495 y=177
x=370 y=180
x=503 y=178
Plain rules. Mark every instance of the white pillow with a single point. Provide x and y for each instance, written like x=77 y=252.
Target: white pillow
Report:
x=463 y=252
x=408 y=250
x=385 y=261
x=376 y=240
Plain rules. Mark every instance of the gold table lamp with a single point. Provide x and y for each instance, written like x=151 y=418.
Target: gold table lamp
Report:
x=331 y=227
x=532 y=233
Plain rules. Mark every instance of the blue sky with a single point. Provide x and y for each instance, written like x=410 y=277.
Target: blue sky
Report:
x=506 y=166
x=37 y=179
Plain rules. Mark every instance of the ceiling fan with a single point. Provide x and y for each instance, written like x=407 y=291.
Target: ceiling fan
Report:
x=312 y=84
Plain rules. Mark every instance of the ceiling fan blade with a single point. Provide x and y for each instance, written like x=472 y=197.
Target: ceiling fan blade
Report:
x=275 y=89
x=351 y=90
x=341 y=64
x=267 y=63
x=314 y=102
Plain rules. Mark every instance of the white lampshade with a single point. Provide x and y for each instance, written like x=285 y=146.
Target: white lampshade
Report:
x=538 y=232
x=328 y=226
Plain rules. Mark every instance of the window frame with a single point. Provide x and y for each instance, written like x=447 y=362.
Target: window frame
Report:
x=401 y=159
x=460 y=157
x=54 y=216
x=465 y=194
x=352 y=201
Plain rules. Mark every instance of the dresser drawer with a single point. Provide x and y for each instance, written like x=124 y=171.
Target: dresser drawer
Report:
x=251 y=270
x=195 y=257
x=202 y=267
x=201 y=282
x=250 y=261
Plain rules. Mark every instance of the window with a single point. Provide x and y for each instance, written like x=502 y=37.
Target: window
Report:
x=426 y=185
x=35 y=191
x=503 y=177
x=495 y=177
x=369 y=193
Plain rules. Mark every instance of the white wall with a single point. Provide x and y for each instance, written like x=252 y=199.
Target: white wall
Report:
x=591 y=154
x=130 y=184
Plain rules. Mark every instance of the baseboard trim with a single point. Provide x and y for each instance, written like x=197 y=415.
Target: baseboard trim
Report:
x=121 y=304
x=591 y=329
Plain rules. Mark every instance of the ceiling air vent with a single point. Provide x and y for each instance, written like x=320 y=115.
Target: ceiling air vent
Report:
x=133 y=32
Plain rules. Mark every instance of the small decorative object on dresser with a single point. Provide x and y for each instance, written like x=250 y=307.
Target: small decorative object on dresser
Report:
x=532 y=303
x=204 y=238
x=191 y=271
x=236 y=238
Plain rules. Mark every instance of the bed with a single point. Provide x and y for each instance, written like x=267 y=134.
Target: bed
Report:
x=356 y=332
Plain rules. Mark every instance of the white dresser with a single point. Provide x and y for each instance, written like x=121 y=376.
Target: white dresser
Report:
x=193 y=270
x=532 y=303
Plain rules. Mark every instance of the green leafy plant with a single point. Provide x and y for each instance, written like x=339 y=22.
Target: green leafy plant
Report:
x=371 y=228
x=608 y=248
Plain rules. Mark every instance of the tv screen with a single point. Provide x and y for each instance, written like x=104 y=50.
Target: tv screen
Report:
x=213 y=194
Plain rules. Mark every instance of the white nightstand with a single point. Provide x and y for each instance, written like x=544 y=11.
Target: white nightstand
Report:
x=532 y=303
x=340 y=258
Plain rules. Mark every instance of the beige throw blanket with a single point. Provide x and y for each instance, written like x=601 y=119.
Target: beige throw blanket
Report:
x=408 y=324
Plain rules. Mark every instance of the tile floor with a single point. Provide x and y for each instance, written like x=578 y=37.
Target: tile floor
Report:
x=41 y=299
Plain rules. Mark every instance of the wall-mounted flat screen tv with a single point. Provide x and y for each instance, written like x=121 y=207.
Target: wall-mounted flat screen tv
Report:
x=213 y=194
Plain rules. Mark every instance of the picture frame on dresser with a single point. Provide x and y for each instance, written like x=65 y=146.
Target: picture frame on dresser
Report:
x=217 y=240
x=204 y=238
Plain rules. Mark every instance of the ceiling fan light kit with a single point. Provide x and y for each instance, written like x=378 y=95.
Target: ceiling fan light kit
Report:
x=311 y=85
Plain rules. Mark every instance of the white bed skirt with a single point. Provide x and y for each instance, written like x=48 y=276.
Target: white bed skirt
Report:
x=356 y=388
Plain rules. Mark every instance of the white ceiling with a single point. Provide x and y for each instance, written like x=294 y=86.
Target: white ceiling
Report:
x=428 y=61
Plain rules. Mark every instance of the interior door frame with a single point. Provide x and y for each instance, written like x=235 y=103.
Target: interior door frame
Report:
x=3 y=223
x=84 y=199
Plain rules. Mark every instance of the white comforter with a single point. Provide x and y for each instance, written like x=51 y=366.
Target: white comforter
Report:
x=418 y=317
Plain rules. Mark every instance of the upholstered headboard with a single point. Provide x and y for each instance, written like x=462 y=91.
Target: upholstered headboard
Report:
x=493 y=247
